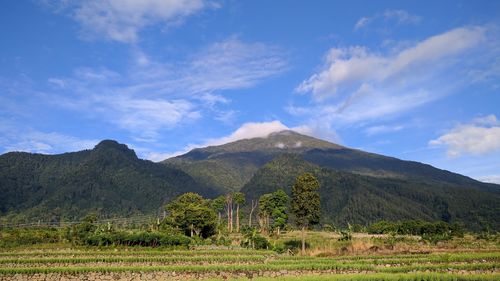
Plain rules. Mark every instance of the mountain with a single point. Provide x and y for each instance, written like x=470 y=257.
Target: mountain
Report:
x=108 y=179
x=230 y=166
x=348 y=197
x=356 y=186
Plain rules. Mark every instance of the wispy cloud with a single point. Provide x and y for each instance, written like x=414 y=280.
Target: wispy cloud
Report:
x=247 y=130
x=151 y=97
x=15 y=138
x=121 y=20
x=490 y=179
x=381 y=129
x=481 y=136
x=357 y=85
x=393 y=16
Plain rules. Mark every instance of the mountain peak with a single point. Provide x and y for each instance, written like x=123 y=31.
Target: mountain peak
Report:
x=114 y=146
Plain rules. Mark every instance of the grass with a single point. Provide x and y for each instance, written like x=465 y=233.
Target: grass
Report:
x=413 y=264
x=383 y=277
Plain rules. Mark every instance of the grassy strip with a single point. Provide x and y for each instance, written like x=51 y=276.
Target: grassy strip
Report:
x=183 y=268
x=407 y=260
x=252 y=267
x=171 y=259
x=235 y=252
x=382 y=277
x=437 y=256
x=440 y=267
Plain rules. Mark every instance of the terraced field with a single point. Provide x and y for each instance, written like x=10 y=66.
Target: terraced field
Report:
x=127 y=264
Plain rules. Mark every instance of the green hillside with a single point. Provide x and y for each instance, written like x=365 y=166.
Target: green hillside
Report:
x=356 y=186
x=109 y=179
x=353 y=198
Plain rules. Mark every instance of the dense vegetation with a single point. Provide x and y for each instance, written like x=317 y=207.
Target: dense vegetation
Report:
x=109 y=180
x=360 y=199
x=355 y=187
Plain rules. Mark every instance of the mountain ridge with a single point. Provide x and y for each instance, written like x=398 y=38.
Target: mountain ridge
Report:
x=356 y=186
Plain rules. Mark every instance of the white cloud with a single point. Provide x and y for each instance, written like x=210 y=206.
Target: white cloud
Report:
x=15 y=138
x=121 y=20
x=482 y=136
x=250 y=130
x=225 y=65
x=381 y=129
x=280 y=145
x=490 y=179
x=359 y=86
x=348 y=67
x=246 y=131
x=150 y=97
x=397 y=16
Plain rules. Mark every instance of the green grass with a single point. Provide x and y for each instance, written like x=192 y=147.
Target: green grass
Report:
x=383 y=277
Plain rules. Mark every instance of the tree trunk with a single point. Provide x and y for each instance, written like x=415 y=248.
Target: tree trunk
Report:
x=303 y=240
x=238 y=218
x=231 y=224
x=251 y=214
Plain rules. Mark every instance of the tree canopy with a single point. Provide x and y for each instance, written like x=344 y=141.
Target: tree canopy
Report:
x=192 y=214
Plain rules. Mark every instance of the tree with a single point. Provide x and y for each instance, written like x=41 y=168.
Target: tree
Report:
x=265 y=209
x=273 y=206
x=229 y=211
x=218 y=205
x=253 y=206
x=279 y=210
x=192 y=214
x=239 y=198
x=305 y=203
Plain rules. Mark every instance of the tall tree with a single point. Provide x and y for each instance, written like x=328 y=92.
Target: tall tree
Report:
x=305 y=203
x=253 y=206
x=191 y=213
x=265 y=209
x=229 y=211
x=279 y=210
x=273 y=206
x=239 y=198
x=218 y=205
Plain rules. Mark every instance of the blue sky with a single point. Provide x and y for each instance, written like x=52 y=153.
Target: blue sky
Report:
x=417 y=80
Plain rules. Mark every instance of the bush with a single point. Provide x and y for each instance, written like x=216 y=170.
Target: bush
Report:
x=294 y=246
x=142 y=238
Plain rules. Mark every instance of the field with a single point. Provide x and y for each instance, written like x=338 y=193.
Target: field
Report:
x=363 y=258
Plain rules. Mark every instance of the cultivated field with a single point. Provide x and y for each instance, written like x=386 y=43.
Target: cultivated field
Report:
x=151 y=264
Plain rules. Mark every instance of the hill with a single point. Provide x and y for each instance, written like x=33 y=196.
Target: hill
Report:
x=108 y=179
x=356 y=186
x=348 y=197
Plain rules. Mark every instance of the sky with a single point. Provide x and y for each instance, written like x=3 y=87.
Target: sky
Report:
x=416 y=80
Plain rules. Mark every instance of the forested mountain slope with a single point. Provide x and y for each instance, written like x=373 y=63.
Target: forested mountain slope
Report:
x=108 y=179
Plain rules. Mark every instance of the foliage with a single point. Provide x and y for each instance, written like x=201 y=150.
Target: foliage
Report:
x=109 y=180
x=306 y=200
x=13 y=237
x=140 y=238
x=294 y=246
x=193 y=214
x=79 y=232
x=346 y=234
x=252 y=239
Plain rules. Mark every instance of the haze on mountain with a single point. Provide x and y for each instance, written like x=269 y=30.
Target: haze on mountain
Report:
x=355 y=186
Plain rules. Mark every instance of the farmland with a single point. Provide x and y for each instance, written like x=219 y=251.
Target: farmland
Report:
x=359 y=259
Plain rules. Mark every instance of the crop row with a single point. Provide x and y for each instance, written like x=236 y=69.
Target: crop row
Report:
x=390 y=260
x=236 y=252
x=167 y=259
x=385 y=277
x=254 y=267
x=433 y=257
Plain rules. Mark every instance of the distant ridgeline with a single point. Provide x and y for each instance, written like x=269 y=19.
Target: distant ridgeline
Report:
x=356 y=186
